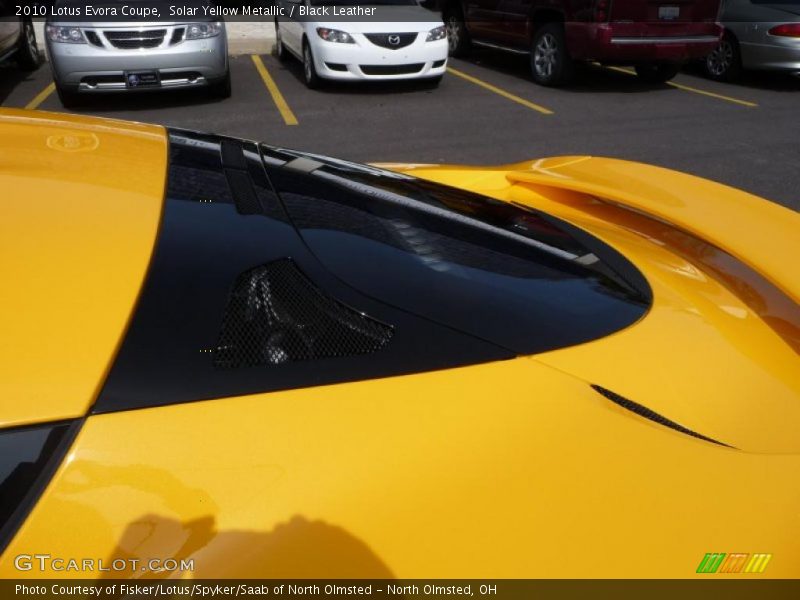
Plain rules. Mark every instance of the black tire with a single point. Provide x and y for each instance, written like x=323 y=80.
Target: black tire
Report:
x=310 y=76
x=551 y=64
x=657 y=72
x=222 y=89
x=458 y=40
x=28 y=56
x=725 y=62
x=69 y=98
x=280 y=50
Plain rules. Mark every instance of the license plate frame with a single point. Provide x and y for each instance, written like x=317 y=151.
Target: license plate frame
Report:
x=135 y=80
x=669 y=13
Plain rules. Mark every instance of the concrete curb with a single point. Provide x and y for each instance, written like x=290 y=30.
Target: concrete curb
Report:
x=243 y=38
x=250 y=38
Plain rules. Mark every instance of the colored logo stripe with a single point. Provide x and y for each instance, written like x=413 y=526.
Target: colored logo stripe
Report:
x=734 y=563
x=737 y=562
x=757 y=563
x=711 y=562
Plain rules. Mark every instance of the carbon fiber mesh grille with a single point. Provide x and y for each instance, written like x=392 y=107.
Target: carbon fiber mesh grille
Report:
x=645 y=412
x=275 y=315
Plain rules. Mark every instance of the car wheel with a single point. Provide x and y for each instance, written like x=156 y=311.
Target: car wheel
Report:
x=725 y=62
x=280 y=49
x=28 y=56
x=69 y=98
x=657 y=72
x=222 y=89
x=551 y=64
x=458 y=42
x=309 y=69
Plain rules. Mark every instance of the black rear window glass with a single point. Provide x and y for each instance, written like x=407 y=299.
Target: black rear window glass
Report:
x=277 y=270
x=505 y=273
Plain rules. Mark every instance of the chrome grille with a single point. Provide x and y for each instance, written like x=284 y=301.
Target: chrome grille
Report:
x=392 y=41
x=133 y=40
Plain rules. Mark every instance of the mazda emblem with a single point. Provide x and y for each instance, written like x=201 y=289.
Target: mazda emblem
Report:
x=394 y=40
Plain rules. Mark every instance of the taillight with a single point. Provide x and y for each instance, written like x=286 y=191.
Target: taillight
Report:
x=786 y=30
x=601 y=10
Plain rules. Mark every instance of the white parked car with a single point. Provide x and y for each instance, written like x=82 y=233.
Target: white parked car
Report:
x=413 y=45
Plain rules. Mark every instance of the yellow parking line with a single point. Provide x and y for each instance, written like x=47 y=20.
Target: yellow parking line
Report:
x=694 y=90
x=277 y=97
x=503 y=93
x=41 y=97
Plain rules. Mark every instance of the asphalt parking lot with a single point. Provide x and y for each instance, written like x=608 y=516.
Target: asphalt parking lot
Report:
x=487 y=111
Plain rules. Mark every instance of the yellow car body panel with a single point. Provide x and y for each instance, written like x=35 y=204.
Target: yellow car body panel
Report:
x=762 y=234
x=511 y=469
x=79 y=210
x=710 y=354
x=503 y=470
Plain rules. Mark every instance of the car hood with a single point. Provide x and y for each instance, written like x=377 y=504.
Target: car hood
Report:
x=719 y=350
x=80 y=210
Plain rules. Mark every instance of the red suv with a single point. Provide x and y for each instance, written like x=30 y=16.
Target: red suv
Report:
x=656 y=36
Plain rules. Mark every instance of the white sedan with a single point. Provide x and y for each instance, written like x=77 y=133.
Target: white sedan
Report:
x=412 y=45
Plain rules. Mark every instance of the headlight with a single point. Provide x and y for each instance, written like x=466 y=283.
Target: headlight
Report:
x=334 y=35
x=67 y=35
x=436 y=34
x=199 y=31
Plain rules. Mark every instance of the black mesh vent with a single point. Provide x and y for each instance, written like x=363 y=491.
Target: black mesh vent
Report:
x=275 y=315
x=391 y=69
x=645 y=412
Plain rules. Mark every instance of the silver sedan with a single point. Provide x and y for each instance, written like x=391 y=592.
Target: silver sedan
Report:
x=759 y=34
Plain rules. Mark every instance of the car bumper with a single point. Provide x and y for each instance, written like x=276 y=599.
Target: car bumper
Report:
x=86 y=68
x=771 y=53
x=359 y=61
x=642 y=42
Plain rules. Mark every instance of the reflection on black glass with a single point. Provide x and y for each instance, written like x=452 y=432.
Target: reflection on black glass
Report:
x=511 y=275
x=25 y=455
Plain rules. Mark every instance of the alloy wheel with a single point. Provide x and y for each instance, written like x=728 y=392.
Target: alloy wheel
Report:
x=30 y=39
x=545 y=56
x=307 y=64
x=720 y=60
x=453 y=33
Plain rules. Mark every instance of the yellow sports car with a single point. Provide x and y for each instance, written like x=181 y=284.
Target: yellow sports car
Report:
x=225 y=359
